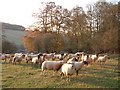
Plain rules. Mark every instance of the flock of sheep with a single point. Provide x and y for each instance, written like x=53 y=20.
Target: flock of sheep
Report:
x=68 y=64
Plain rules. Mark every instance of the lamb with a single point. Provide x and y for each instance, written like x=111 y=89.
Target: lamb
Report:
x=51 y=65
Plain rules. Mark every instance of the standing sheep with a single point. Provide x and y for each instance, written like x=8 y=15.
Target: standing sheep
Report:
x=72 y=67
x=78 y=66
x=18 y=58
x=67 y=69
x=36 y=59
x=51 y=65
x=102 y=59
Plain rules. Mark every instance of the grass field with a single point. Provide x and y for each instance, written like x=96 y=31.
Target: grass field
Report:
x=91 y=76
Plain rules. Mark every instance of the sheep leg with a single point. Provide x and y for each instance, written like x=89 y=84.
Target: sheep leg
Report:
x=43 y=72
x=5 y=61
x=9 y=60
x=62 y=74
x=68 y=78
x=77 y=72
x=19 y=62
x=53 y=73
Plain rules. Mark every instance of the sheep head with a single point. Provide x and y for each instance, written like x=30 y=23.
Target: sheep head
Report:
x=85 y=62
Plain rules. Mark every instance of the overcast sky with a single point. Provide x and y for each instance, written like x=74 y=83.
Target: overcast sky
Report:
x=20 y=11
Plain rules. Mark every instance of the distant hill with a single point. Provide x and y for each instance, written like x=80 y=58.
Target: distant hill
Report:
x=13 y=33
x=12 y=26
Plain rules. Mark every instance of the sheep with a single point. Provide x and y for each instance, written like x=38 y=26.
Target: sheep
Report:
x=93 y=58
x=51 y=65
x=11 y=58
x=70 y=68
x=39 y=59
x=85 y=57
x=67 y=69
x=18 y=58
x=49 y=56
x=89 y=58
x=102 y=59
x=3 y=57
x=71 y=60
x=18 y=54
x=58 y=56
x=78 y=66
x=35 y=60
x=42 y=59
x=28 y=58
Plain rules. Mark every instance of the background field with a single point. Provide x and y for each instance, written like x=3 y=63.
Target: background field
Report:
x=91 y=76
x=14 y=36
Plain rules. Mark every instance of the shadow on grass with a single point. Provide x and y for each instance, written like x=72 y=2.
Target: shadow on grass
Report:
x=37 y=66
x=98 y=82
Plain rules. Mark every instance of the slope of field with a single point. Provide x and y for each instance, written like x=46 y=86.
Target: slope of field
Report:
x=14 y=36
x=92 y=76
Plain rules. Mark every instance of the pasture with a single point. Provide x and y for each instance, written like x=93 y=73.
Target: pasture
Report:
x=92 y=76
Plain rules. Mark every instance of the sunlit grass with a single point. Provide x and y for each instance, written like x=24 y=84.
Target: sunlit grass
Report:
x=28 y=76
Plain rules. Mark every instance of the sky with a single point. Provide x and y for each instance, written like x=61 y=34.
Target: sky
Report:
x=20 y=11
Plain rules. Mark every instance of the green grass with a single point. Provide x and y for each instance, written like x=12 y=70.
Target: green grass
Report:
x=92 y=76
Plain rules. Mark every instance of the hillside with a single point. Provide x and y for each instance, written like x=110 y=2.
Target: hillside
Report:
x=13 y=33
x=12 y=27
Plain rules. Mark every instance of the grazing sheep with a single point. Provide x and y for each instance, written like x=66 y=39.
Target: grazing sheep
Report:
x=18 y=58
x=28 y=58
x=51 y=65
x=11 y=58
x=58 y=56
x=49 y=56
x=3 y=57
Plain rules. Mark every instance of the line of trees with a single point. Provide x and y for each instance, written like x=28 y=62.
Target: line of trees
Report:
x=59 y=29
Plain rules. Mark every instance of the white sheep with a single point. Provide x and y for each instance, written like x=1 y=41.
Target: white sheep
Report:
x=49 y=56
x=102 y=59
x=67 y=69
x=28 y=58
x=3 y=57
x=36 y=59
x=78 y=66
x=71 y=60
x=18 y=58
x=94 y=57
x=51 y=65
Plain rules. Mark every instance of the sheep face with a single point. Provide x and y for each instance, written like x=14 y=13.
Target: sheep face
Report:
x=85 y=62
